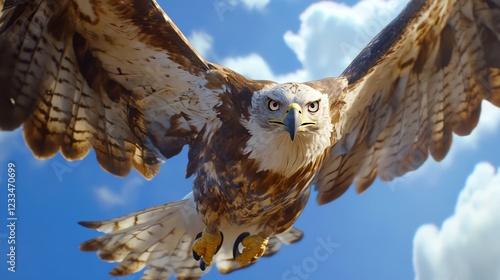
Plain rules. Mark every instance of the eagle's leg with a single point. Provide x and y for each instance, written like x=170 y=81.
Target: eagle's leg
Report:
x=254 y=248
x=206 y=246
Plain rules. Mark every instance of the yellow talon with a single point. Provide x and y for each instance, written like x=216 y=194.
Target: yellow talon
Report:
x=255 y=246
x=207 y=245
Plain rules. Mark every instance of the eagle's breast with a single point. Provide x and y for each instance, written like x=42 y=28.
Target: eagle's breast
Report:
x=250 y=176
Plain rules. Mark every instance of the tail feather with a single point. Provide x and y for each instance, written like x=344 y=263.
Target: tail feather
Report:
x=290 y=236
x=161 y=239
x=287 y=237
x=134 y=219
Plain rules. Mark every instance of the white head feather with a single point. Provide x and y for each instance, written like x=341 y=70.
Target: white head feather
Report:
x=270 y=145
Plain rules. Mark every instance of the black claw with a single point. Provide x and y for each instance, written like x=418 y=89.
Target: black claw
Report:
x=221 y=241
x=198 y=236
x=203 y=265
x=236 y=246
x=195 y=255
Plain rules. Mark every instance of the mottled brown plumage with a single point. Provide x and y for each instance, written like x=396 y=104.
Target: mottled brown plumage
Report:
x=119 y=77
x=418 y=88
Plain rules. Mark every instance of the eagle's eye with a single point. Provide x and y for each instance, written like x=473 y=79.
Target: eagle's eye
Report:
x=274 y=105
x=313 y=106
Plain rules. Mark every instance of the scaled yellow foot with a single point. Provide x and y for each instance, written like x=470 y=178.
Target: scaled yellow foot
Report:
x=207 y=245
x=255 y=246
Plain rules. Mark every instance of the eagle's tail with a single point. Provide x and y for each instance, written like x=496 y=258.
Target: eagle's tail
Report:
x=161 y=238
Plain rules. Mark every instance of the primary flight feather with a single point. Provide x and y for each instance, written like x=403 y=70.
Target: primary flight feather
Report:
x=119 y=77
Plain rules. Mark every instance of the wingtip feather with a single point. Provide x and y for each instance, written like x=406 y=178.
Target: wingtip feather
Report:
x=91 y=225
x=90 y=245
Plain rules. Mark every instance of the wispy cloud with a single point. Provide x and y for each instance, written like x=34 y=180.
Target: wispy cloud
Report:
x=255 y=4
x=467 y=246
x=202 y=42
x=223 y=7
x=109 y=197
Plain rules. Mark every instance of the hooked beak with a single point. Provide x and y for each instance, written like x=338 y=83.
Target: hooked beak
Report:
x=292 y=121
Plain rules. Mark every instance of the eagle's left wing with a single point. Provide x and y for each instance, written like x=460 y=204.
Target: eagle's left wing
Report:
x=117 y=76
x=421 y=79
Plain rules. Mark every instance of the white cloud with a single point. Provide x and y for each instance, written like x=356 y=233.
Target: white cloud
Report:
x=202 y=42
x=117 y=196
x=252 y=66
x=468 y=245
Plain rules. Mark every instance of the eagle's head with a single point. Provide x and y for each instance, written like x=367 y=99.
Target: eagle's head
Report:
x=290 y=126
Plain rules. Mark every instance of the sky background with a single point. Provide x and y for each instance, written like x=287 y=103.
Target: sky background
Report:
x=441 y=222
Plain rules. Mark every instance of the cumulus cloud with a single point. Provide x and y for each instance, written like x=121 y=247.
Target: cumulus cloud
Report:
x=467 y=245
x=331 y=34
x=116 y=196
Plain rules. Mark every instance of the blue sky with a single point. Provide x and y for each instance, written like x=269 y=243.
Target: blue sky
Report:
x=377 y=235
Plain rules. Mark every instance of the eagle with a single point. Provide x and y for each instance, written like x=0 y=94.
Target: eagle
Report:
x=119 y=77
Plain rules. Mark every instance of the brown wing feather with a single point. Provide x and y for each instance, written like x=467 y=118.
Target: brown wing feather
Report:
x=421 y=79
x=117 y=76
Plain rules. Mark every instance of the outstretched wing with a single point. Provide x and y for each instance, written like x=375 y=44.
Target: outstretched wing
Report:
x=117 y=76
x=421 y=79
